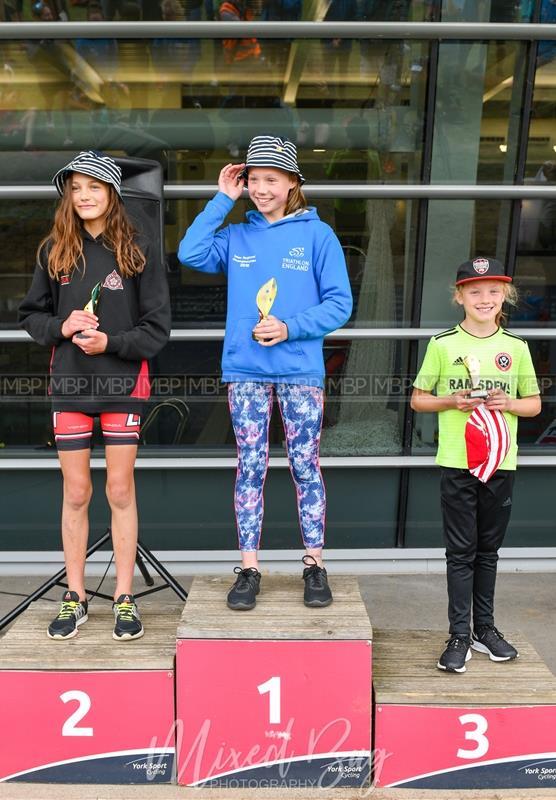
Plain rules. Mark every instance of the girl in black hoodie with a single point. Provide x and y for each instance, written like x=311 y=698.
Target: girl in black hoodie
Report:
x=99 y=364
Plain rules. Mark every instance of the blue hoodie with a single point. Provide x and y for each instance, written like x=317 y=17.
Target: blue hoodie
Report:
x=313 y=297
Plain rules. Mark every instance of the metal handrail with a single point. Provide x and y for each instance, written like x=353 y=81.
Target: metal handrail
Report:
x=275 y=462
x=332 y=190
x=280 y=30
x=217 y=334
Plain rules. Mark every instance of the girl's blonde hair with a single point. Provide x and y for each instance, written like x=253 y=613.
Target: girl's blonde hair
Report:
x=64 y=243
x=511 y=298
x=296 y=198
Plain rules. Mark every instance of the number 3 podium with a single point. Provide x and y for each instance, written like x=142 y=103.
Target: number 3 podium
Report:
x=278 y=697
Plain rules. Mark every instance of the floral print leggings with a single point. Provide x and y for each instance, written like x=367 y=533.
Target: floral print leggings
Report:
x=301 y=408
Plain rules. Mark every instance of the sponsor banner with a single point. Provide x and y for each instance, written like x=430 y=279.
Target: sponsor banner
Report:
x=87 y=727
x=319 y=773
x=150 y=766
x=273 y=713
x=430 y=747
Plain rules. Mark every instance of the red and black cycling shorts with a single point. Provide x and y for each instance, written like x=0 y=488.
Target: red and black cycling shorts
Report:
x=73 y=430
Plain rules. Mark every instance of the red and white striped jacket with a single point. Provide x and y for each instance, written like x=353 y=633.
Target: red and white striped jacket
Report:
x=487 y=439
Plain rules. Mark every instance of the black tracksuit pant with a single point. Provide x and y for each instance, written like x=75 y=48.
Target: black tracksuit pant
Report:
x=475 y=517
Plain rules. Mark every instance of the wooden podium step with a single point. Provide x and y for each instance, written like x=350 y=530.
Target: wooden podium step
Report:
x=93 y=709
x=275 y=697
x=490 y=727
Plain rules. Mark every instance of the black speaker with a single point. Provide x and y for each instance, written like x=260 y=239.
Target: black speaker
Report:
x=143 y=196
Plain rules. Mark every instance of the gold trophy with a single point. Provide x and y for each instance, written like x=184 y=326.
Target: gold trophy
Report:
x=91 y=305
x=265 y=299
x=473 y=367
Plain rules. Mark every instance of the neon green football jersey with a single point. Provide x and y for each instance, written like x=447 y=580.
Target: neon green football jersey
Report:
x=505 y=363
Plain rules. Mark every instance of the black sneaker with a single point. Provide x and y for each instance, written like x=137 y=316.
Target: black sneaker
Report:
x=127 y=621
x=488 y=639
x=243 y=594
x=73 y=612
x=456 y=654
x=317 y=592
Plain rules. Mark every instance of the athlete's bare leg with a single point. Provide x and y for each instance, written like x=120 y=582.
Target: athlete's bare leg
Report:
x=78 y=489
x=120 y=491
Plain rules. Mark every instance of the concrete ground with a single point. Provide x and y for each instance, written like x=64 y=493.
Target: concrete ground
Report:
x=525 y=602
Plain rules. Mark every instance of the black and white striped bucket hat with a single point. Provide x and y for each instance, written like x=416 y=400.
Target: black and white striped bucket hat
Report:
x=271 y=151
x=93 y=163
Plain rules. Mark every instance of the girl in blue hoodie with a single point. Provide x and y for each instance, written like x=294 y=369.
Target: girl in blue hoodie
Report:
x=281 y=354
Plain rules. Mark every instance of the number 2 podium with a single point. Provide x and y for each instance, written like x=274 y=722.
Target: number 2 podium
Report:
x=87 y=710
x=492 y=727
x=276 y=697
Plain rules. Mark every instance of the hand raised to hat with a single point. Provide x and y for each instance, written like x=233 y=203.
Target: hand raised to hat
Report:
x=230 y=181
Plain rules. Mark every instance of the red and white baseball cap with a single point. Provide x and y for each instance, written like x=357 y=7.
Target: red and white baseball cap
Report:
x=481 y=269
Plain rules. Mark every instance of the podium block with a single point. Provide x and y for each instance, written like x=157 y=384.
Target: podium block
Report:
x=490 y=727
x=90 y=709
x=276 y=697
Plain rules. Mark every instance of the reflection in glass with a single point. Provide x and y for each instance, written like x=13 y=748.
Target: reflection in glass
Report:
x=363 y=413
x=531 y=525
x=183 y=103
x=538 y=217
x=377 y=236
x=476 y=132
x=532 y=432
x=194 y=10
x=458 y=230
x=378 y=239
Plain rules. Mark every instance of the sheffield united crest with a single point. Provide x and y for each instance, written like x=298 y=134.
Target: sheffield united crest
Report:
x=481 y=265
x=503 y=361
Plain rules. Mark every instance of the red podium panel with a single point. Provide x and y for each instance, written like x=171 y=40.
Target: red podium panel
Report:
x=435 y=747
x=493 y=727
x=87 y=727
x=255 y=714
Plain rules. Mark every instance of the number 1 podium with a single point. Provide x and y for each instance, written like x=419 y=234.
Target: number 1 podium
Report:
x=276 y=697
x=88 y=710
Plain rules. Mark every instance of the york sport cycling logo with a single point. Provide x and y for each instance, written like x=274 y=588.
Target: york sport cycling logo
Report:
x=297 y=252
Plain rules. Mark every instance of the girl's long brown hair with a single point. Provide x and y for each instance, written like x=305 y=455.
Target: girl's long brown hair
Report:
x=65 y=242
x=296 y=199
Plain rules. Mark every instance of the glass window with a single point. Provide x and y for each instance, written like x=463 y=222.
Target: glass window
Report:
x=476 y=227
x=355 y=108
x=532 y=520
x=378 y=238
x=534 y=433
x=206 y=522
x=535 y=271
x=478 y=105
x=194 y=10
x=491 y=11
x=22 y=226
x=541 y=141
x=423 y=522
x=188 y=409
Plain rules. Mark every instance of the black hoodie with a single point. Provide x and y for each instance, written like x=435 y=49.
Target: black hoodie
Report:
x=133 y=312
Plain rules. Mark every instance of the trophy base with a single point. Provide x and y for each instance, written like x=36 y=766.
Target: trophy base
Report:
x=478 y=394
x=81 y=335
x=259 y=339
